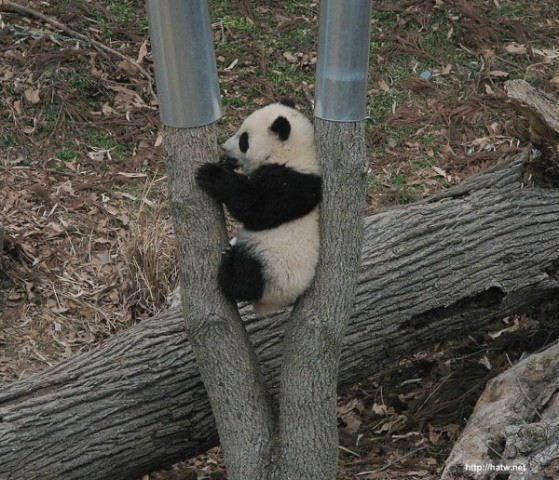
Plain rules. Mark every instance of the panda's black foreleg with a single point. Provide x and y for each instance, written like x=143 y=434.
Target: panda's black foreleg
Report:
x=220 y=181
x=240 y=275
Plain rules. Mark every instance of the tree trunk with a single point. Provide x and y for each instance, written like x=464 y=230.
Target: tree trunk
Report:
x=430 y=272
x=304 y=427
x=219 y=342
x=515 y=425
x=308 y=431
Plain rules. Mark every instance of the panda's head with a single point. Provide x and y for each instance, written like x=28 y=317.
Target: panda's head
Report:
x=278 y=133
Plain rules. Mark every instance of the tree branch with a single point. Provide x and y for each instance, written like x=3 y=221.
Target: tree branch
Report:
x=515 y=423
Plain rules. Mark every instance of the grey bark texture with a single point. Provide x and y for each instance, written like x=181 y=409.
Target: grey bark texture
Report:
x=308 y=433
x=539 y=108
x=515 y=424
x=431 y=271
x=228 y=366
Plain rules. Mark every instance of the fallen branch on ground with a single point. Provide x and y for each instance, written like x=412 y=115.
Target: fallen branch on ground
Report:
x=515 y=424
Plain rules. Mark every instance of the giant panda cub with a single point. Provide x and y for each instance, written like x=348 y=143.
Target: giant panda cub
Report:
x=273 y=259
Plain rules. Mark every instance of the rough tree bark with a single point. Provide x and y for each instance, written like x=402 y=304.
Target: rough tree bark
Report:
x=538 y=108
x=304 y=428
x=429 y=272
x=228 y=366
x=308 y=433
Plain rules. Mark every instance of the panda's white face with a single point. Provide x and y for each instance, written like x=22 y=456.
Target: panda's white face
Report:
x=274 y=134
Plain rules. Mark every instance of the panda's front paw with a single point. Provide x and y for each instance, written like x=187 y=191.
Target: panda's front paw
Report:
x=209 y=175
x=220 y=182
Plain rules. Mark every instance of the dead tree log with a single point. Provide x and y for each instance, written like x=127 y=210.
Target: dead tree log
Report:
x=514 y=429
x=431 y=271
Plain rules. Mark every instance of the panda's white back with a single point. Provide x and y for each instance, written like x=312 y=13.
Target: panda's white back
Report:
x=290 y=255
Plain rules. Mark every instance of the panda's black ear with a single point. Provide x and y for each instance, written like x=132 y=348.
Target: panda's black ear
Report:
x=281 y=127
x=288 y=102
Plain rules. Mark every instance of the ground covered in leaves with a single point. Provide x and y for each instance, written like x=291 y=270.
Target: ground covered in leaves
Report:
x=89 y=245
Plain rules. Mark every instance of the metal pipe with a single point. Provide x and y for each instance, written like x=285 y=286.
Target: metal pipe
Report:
x=343 y=60
x=184 y=58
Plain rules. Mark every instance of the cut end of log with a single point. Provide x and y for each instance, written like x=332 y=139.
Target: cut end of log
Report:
x=543 y=171
x=542 y=112
x=540 y=109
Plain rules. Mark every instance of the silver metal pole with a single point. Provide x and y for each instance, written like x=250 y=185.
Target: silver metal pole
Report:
x=343 y=60
x=185 y=68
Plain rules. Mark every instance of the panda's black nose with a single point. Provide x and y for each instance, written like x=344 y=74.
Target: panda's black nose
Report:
x=229 y=162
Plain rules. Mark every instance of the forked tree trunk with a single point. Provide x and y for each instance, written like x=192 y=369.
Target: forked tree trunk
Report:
x=299 y=438
x=432 y=271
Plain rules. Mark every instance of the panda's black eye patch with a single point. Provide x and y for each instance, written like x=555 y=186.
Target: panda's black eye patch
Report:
x=281 y=127
x=243 y=142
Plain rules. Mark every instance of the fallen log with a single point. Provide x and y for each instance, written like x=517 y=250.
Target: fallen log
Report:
x=514 y=429
x=432 y=271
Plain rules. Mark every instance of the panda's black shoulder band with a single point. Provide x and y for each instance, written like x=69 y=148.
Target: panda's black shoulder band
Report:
x=280 y=194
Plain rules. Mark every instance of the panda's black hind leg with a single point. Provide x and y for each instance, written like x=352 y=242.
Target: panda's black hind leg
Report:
x=240 y=275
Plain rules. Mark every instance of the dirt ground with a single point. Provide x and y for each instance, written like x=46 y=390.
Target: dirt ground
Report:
x=89 y=246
